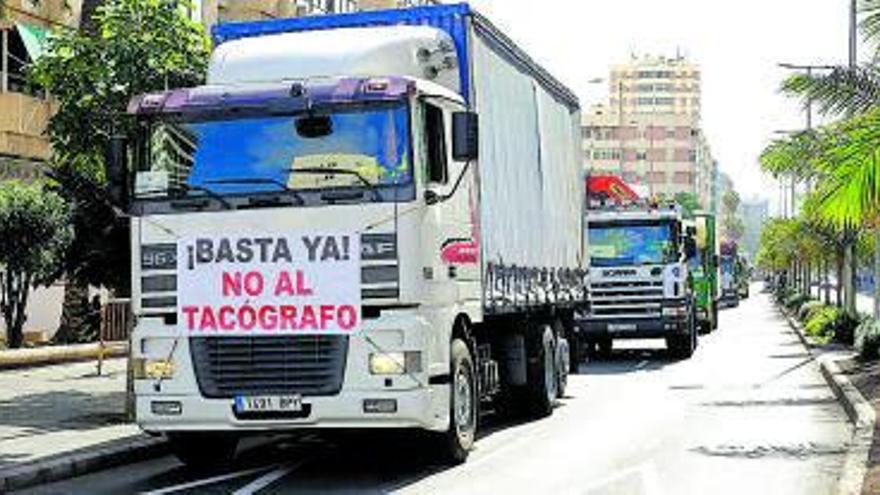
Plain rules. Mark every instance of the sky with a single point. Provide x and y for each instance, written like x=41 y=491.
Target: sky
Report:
x=737 y=43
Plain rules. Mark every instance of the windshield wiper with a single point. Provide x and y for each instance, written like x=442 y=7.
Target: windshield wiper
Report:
x=332 y=171
x=259 y=180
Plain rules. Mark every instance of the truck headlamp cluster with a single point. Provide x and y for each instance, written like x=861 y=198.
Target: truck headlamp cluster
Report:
x=395 y=363
x=152 y=369
x=675 y=311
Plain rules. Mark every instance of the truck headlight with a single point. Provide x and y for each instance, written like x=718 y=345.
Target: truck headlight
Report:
x=152 y=369
x=675 y=311
x=395 y=363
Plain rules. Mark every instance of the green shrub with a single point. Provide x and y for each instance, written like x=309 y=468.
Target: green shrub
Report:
x=867 y=339
x=795 y=301
x=845 y=327
x=821 y=323
x=807 y=309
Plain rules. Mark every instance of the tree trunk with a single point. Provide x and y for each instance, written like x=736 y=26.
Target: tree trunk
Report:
x=14 y=291
x=73 y=327
x=839 y=291
x=827 y=280
x=849 y=279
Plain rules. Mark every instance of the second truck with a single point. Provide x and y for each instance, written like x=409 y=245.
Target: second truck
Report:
x=640 y=285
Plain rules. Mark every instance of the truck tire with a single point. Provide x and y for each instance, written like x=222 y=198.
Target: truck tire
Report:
x=458 y=440
x=713 y=315
x=203 y=451
x=563 y=365
x=543 y=381
x=683 y=346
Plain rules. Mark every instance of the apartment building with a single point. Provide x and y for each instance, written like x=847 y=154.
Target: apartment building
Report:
x=649 y=131
x=24 y=112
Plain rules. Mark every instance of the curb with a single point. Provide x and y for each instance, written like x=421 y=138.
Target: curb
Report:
x=19 y=358
x=859 y=411
x=82 y=461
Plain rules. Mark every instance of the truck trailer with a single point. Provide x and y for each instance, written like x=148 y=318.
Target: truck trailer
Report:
x=368 y=220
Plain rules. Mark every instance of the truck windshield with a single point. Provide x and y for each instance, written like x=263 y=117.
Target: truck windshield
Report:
x=361 y=148
x=637 y=244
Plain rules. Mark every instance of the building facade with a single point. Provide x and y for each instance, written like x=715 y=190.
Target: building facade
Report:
x=649 y=130
x=24 y=111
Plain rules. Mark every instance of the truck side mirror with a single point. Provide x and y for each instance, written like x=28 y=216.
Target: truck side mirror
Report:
x=465 y=136
x=117 y=170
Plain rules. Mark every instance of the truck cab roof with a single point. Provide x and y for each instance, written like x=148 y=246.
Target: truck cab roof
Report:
x=285 y=96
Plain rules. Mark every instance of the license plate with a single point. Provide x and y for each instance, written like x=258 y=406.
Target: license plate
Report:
x=622 y=327
x=269 y=403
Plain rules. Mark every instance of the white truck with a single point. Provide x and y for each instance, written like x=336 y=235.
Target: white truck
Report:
x=366 y=220
x=640 y=286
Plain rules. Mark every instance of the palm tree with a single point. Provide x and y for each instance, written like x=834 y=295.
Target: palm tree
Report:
x=848 y=195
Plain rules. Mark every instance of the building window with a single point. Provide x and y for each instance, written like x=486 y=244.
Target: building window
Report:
x=684 y=178
x=641 y=155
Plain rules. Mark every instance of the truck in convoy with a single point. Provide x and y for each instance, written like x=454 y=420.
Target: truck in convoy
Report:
x=744 y=277
x=368 y=220
x=730 y=275
x=704 y=270
x=639 y=282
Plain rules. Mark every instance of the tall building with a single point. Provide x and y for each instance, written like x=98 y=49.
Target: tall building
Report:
x=24 y=111
x=655 y=84
x=649 y=130
x=754 y=213
x=218 y=11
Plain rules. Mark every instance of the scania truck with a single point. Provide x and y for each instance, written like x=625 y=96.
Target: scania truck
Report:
x=640 y=284
x=368 y=220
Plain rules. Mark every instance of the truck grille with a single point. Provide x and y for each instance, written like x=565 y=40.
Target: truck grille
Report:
x=627 y=299
x=310 y=365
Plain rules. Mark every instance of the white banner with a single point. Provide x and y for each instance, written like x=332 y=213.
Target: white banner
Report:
x=269 y=283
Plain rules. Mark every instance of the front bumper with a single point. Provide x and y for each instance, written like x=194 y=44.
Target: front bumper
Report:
x=419 y=403
x=634 y=328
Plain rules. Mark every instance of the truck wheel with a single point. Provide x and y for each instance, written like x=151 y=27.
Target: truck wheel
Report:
x=542 y=377
x=203 y=451
x=714 y=315
x=563 y=355
x=459 y=439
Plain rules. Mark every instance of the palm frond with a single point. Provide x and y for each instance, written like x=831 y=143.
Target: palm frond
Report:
x=843 y=91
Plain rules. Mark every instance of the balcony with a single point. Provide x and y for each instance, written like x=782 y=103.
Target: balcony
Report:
x=23 y=121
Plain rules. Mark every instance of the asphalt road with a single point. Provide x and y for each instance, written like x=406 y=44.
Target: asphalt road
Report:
x=749 y=414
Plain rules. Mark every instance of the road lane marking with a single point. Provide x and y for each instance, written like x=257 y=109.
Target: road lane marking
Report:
x=267 y=479
x=209 y=481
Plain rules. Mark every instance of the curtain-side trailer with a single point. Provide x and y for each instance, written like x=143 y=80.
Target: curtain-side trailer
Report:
x=366 y=220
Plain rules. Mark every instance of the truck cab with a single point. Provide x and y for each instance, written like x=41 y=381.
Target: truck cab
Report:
x=640 y=282
x=730 y=269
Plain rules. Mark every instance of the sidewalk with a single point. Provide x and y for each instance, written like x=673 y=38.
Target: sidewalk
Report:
x=61 y=411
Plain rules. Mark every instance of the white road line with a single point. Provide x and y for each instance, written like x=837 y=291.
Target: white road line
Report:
x=267 y=479
x=208 y=481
